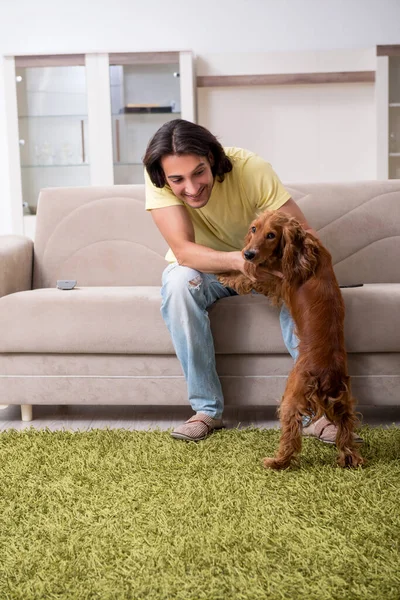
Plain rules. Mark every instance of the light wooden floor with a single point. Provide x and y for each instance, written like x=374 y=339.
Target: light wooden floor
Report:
x=73 y=418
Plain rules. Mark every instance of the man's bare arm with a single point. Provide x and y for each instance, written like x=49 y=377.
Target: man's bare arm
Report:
x=291 y=208
x=176 y=228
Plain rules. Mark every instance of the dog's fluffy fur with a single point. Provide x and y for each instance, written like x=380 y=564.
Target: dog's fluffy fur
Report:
x=319 y=382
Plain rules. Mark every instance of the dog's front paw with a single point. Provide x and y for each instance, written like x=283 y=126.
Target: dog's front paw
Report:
x=237 y=281
x=228 y=280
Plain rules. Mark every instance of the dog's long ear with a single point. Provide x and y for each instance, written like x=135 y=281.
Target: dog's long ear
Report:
x=300 y=253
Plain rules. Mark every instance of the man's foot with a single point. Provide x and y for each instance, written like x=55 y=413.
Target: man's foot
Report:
x=197 y=428
x=325 y=431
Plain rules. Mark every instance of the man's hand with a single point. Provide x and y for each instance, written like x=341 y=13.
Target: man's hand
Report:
x=254 y=272
x=246 y=267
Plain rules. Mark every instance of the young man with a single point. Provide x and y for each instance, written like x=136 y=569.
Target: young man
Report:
x=202 y=198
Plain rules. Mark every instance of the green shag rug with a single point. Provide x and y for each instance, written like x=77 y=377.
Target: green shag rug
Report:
x=118 y=514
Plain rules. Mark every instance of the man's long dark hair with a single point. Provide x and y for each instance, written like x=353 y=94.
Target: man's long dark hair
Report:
x=182 y=137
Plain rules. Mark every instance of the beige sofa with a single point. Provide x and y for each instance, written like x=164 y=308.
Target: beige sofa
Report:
x=105 y=341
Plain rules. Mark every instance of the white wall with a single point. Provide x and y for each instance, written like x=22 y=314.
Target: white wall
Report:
x=205 y=27
x=315 y=132
x=50 y=26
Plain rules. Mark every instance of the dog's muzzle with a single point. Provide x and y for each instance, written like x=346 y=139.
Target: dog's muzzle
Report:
x=249 y=254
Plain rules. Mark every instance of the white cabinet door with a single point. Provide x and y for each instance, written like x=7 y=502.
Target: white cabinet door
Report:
x=99 y=119
x=388 y=111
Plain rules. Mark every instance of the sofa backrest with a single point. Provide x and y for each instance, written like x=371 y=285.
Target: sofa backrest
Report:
x=98 y=236
x=104 y=236
x=359 y=223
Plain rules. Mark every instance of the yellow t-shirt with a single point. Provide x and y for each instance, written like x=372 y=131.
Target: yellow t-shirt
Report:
x=222 y=224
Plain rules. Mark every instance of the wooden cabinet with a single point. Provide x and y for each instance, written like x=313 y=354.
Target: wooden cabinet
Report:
x=86 y=119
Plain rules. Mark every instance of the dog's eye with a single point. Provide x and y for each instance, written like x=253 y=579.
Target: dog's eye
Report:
x=252 y=229
x=270 y=236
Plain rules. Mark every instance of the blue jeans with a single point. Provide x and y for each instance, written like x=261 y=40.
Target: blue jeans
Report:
x=186 y=295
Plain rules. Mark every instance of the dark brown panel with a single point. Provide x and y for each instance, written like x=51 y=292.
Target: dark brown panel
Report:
x=286 y=79
x=53 y=60
x=143 y=58
x=127 y=58
x=388 y=50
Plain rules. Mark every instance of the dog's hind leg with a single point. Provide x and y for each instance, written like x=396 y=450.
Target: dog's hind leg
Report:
x=291 y=425
x=343 y=415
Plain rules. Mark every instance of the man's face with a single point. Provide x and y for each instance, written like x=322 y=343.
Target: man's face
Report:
x=189 y=177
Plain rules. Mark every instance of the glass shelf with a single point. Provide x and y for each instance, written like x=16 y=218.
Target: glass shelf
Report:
x=52 y=129
x=144 y=97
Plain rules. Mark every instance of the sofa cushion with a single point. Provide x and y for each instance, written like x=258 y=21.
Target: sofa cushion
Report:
x=121 y=320
x=127 y=320
x=359 y=223
x=372 y=318
x=372 y=322
x=97 y=235
x=99 y=320
x=103 y=235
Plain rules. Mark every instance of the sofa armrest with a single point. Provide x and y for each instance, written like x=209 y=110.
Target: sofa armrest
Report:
x=16 y=262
